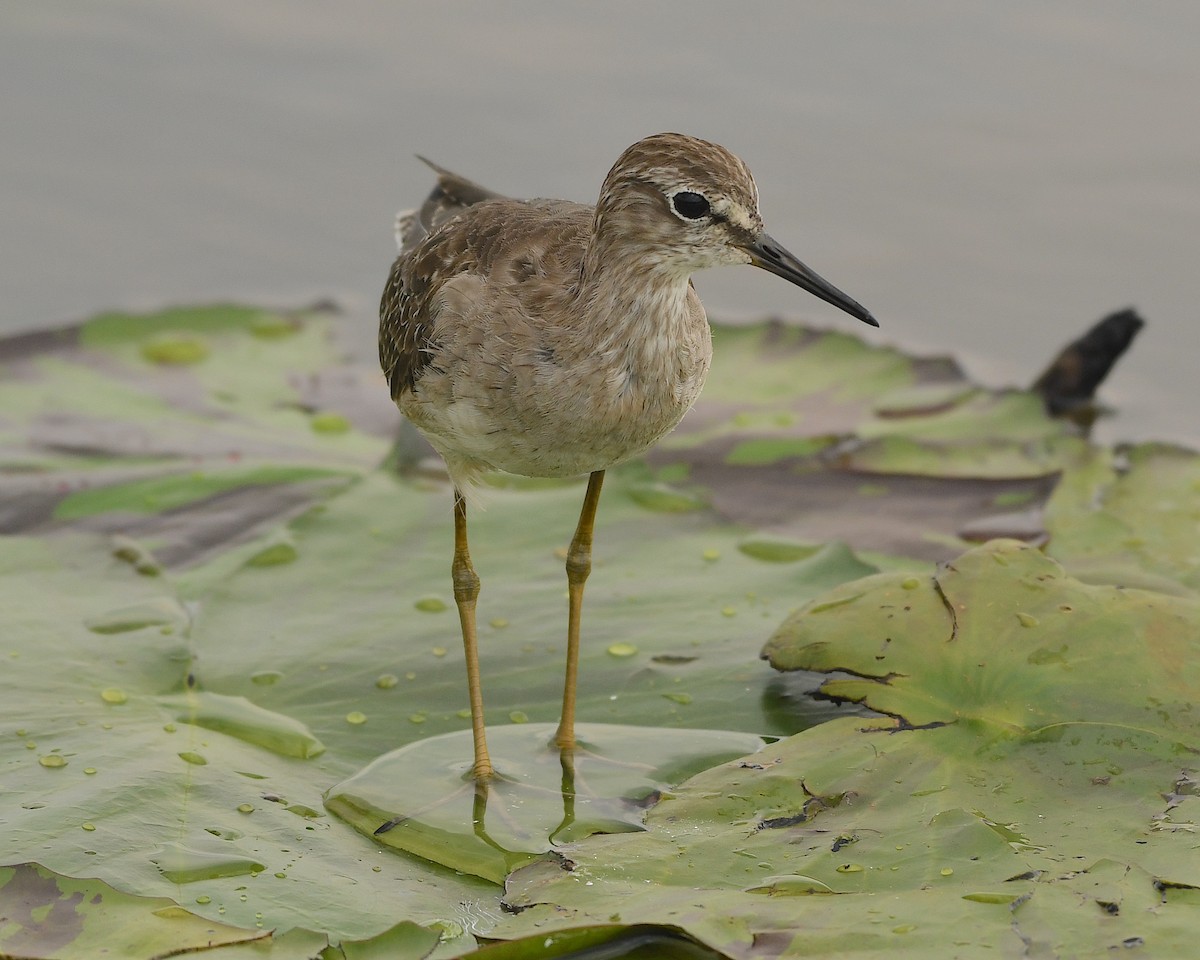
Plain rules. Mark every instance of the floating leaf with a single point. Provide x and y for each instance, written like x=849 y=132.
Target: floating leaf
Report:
x=1014 y=799
x=422 y=799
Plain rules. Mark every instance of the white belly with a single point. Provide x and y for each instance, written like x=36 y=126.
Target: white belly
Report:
x=566 y=431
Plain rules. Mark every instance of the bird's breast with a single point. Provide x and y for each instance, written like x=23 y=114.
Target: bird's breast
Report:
x=630 y=390
x=555 y=400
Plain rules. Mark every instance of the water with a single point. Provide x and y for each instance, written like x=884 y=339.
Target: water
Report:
x=987 y=178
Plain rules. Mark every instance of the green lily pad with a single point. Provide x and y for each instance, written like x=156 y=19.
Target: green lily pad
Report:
x=1021 y=645
x=1131 y=518
x=422 y=798
x=50 y=915
x=246 y=546
x=1036 y=786
x=243 y=610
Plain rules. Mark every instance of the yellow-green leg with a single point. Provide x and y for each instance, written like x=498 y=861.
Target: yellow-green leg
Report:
x=466 y=592
x=579 y=565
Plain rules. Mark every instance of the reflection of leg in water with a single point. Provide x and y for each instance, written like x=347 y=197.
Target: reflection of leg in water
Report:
x=567 y=759
x=479 y=816
x=424 y=799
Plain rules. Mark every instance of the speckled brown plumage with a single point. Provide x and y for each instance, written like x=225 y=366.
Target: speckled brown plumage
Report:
x=552 y=339
x=487 y=230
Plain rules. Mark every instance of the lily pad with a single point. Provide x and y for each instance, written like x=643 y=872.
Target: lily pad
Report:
x=1035 y=787
x=244 y=609
x=222 y=590
x=420 y=797
x=50 y=915
x=1131 y=517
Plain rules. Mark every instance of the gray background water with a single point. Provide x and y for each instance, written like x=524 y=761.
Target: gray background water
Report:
x=987 y=178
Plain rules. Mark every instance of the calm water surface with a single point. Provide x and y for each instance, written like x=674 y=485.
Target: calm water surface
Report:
x=987 y=178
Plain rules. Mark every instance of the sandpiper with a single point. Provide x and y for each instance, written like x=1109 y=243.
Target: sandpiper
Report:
x=555 y=339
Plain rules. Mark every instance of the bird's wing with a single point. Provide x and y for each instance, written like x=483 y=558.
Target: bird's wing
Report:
x=450 y=196
x=489 y=238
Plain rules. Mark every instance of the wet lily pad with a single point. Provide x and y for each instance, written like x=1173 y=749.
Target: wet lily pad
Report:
x=244 y=609
x=1035 y=785
x=50 y=915
x=1131 y=517
x=422 y=799
x=1021 y=645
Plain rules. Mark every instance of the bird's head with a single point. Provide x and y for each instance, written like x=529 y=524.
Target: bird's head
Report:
x=681 y=204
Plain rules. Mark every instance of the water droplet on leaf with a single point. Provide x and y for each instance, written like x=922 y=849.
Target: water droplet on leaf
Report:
x=238 y=717
x=185 y=864
x=159 y=612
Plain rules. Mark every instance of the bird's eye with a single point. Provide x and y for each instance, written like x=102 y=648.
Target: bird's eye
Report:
x=691 y=206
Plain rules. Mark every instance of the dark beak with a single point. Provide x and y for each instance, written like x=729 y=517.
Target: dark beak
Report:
x=766 y=253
